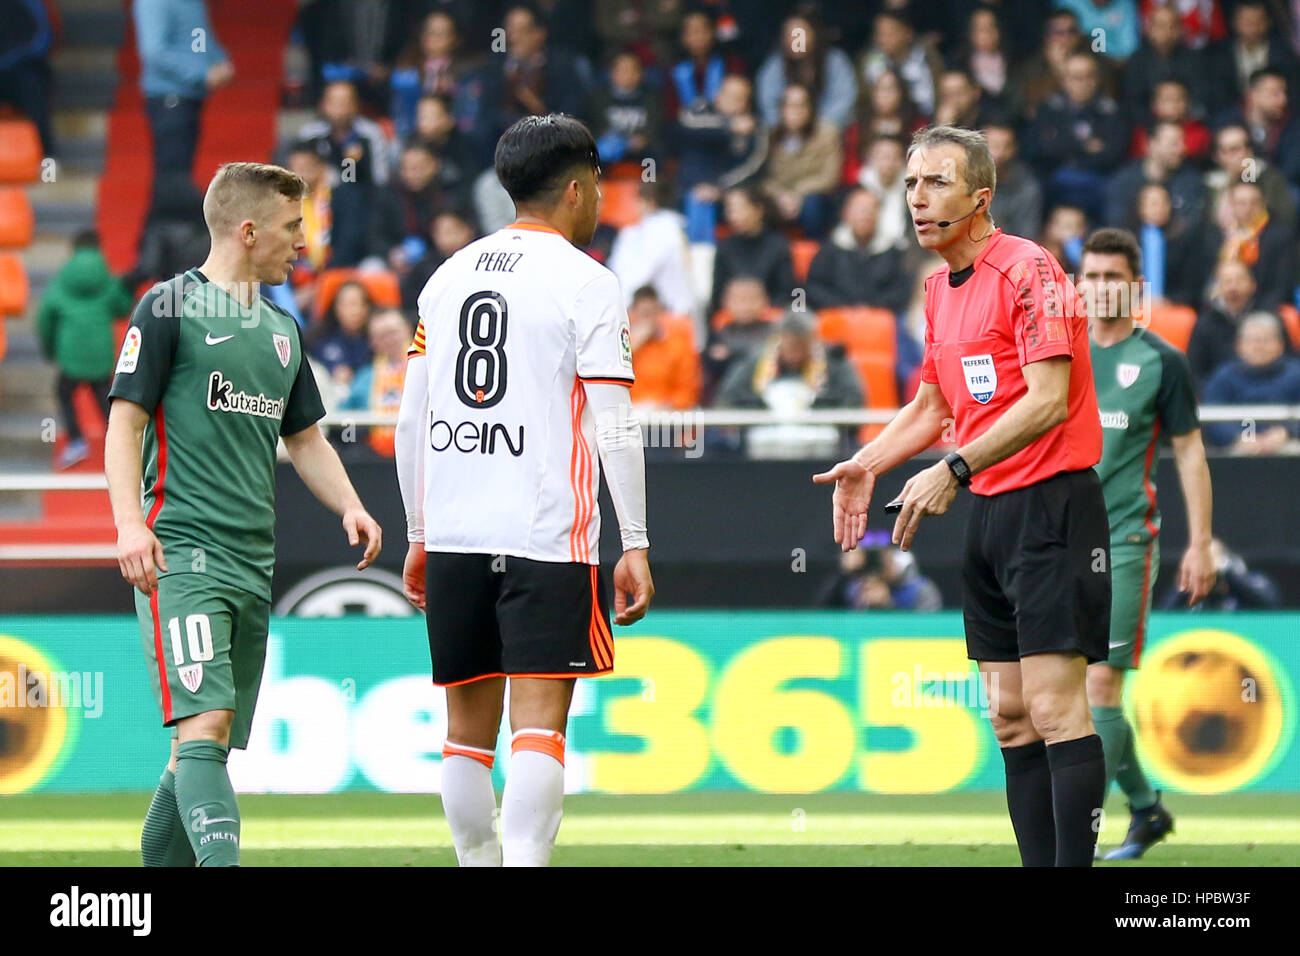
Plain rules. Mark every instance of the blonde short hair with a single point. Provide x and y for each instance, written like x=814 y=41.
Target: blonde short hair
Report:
x=239 y=191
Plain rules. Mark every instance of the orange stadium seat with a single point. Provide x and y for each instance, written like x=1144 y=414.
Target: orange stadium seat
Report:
x=860 y=329
x=20 y=151
x=801 y=256
x=1173 y=323
x=382 y=286
x=1291 y=319
x=16 y=220
x=619 y=206
x=879 y=378
x=723 y=317
x=13 y=285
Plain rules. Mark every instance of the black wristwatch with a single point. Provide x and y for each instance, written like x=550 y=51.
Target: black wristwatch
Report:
x=960 y=470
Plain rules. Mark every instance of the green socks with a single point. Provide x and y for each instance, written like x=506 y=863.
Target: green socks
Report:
x=1121 y=758
x=163 y=841
x=206 y=802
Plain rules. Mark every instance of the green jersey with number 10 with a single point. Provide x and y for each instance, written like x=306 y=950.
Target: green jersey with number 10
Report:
x=222 y=382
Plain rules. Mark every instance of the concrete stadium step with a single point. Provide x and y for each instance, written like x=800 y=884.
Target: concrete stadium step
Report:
x=29 y=379
x=67 y=186
x=21 y=505
x=23 y=430
x=93 y=22
x=62 y=218
x=81 y=153
x=73 y=122
x=99 y=57
x=84 y=89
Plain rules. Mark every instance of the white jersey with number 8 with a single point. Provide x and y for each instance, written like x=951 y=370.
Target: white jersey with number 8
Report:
x=511 y=327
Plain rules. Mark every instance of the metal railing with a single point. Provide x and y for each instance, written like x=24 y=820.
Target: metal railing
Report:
x=691 y=419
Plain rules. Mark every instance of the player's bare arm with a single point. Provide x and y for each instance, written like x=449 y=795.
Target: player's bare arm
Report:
x=1044 y=406
x=139 y=553
x=408 y=451
x=917 y=426
x=1196 y=573
x=317 y=463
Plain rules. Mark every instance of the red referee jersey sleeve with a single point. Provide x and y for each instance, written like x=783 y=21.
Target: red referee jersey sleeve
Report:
x=1039 y=316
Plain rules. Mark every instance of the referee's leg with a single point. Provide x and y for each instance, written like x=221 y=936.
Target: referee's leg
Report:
x=1056 y=697
x=1029 y=779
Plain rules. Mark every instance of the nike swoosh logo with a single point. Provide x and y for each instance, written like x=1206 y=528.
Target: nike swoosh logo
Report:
x=211 y=341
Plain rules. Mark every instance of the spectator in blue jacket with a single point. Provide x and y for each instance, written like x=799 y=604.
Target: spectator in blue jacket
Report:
x=181 y=62
x=1111 y=26
x=1262 y=374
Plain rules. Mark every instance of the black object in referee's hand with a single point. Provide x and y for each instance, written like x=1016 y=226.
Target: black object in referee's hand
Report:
x=894 y=507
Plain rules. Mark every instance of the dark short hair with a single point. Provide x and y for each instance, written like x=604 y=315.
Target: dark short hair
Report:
x=645 y=292
x=86 y=239
x=1263 y=73
x=1120 y=242
x=538 y=154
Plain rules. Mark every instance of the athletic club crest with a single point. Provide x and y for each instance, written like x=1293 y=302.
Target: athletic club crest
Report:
x=191 y=676
x=1127 y=374
x=981 y=376
x=282 y=348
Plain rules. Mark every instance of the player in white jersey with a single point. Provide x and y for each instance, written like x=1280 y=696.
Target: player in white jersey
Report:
x=517 y=391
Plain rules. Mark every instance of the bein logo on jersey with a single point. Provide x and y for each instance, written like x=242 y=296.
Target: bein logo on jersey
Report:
x=470 y=438
x=222 y=397
x=981 y=376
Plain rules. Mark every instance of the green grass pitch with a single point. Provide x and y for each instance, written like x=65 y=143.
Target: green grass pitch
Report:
x=709 y=829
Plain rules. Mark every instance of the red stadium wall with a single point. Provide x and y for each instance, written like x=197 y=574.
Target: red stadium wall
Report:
x=239 y=120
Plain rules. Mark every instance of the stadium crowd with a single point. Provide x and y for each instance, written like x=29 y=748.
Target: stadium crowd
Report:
x=753 y=155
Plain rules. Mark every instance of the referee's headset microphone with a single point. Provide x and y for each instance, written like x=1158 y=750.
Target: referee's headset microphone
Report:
x=945 y=223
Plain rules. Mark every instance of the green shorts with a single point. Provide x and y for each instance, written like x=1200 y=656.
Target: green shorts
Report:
x=205 y=644
x=1133 y=571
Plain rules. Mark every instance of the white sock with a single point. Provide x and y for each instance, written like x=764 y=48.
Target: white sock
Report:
x=532 y=803
x=470 y=804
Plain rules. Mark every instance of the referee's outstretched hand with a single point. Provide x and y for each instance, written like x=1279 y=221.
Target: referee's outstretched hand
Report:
x=853 y=487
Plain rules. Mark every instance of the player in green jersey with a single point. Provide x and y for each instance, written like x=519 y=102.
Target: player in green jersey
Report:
x=211 y=376
x=1144 y=393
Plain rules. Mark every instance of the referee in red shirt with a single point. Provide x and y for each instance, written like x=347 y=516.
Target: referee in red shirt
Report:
x=1007 y=364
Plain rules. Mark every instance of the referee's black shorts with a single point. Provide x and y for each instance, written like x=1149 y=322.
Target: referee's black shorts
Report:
x=1036 y=574
x=497 y=616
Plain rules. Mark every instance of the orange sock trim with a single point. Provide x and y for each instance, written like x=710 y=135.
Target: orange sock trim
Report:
x=484 y=757
x=549 y=742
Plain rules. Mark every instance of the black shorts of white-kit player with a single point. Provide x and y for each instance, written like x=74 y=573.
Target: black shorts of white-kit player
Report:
x=497 y=616
x=1035 y=578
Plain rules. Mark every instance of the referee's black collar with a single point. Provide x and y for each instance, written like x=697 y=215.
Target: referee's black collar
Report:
x=955 y=279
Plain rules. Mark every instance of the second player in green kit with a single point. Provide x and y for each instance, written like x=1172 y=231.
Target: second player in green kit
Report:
x=210 y=378
x=1145 y=396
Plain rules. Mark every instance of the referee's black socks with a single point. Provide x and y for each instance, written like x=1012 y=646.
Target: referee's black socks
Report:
x=1078 y=769
x=1054 y=796
x=1029 y=801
